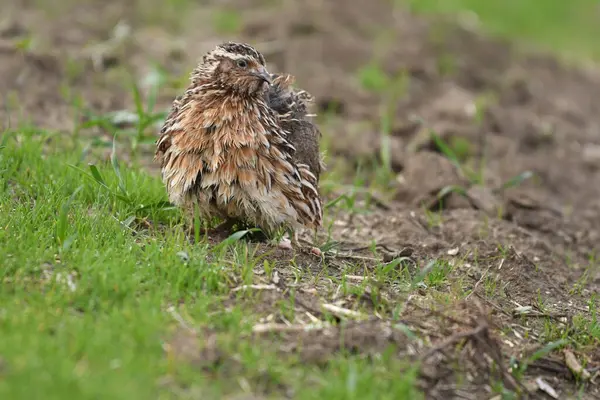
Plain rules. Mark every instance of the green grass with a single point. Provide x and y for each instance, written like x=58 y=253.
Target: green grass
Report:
x=568 y=27
x=104 y=331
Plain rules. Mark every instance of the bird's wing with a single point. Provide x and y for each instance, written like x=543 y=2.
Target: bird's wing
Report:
x=292 y=107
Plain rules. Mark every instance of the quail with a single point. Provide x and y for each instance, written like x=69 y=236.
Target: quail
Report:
x=239 y=145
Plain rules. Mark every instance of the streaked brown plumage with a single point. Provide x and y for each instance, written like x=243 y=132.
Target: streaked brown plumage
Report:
x=239 y=144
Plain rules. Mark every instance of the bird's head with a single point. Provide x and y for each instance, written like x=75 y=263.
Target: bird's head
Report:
x=236 y=67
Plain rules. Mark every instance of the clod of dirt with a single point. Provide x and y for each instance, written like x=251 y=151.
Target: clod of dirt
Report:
x=103 y=56
x=187 y=346
x=10 y=29
x=484 y=199
x=534 y=214
x=517 y=90
x=406 y=129
x=591 y=155
x=426 y=174
x=532 y=131
x=451 y=113
x=303 y=28
x=454 y=104
x=367 y=146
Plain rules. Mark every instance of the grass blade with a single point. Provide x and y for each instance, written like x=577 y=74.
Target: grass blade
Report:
x=128 y=221
x=137 y=99
x=75 y=167
x=446 y=190
x=544 y=351
x=97 y=175
x=329 y=245
x=115 y=164
x=406 y=330
x=517 y=180
x=62 y=222
x=333 y=202
x=420 y=277
x=5 y=137
x=160 y=205
x=446 y=150
x=234 y=237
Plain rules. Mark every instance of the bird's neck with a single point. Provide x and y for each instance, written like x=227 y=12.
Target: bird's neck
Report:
x=216 y=91
x=230 y=103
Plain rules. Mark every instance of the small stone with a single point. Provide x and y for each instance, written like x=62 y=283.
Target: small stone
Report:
x=591 y=154
x=453 y=252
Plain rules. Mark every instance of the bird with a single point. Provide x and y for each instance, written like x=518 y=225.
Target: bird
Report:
x=240 y=145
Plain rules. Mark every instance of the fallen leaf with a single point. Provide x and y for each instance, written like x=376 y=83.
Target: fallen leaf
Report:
x=546 y=388
x=575 y=366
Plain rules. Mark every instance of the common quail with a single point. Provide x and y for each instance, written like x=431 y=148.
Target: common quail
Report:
x=239 y=145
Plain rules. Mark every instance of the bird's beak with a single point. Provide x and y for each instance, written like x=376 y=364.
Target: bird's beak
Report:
x=262 y=73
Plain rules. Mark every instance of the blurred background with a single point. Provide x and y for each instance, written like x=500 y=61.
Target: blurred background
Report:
x=375 y=69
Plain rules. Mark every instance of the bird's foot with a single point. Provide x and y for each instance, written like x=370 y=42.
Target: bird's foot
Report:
x=290 y=243
x=316 y=251
x=294 y=242
x=285 y=244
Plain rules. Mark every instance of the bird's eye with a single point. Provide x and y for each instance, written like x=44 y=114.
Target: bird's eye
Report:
x=242 y=63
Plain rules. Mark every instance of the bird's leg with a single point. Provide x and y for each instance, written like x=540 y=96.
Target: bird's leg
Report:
x=294 y=238
x=294 y=242
x=311 y=249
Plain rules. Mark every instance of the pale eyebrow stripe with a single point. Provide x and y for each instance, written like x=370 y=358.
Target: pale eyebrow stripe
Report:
x=232 y=56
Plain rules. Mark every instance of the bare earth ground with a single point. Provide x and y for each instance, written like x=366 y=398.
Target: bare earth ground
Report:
x=518 y=265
